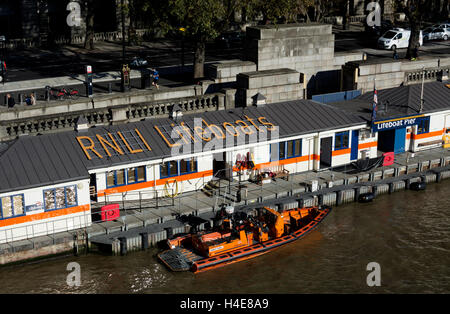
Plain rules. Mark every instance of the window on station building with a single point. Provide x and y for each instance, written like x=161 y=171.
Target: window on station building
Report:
x=120 y=177
x=11 y=206
x=173 y=168
x=136 y=175
x=289 y=149
x=125 y=176
x=423 y=126
x=178 y=167
x=188 y=166
x=341 y=140
x=59 y=198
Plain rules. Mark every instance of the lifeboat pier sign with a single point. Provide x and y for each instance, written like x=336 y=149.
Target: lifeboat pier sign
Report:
x=391 y=124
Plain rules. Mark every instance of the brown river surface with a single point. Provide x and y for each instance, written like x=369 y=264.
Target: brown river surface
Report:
x=406 y=233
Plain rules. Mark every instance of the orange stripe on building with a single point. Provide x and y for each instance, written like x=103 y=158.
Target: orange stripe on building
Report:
x=44 y=215
x=287 y=161
x=149 y=184
x=367 y=145
x=341 y=152
x=427 y=135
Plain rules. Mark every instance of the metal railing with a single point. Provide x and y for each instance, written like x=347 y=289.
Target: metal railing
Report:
x=130 y=202
x=44 y=228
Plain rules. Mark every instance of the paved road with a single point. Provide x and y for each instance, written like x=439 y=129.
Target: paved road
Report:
x=356 y=40
x=69 y=60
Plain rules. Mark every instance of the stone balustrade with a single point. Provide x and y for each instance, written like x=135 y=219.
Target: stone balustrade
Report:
x=110 y=115
x=429 y=74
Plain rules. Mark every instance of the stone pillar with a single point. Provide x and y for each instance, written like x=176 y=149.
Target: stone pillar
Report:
x=306 y=48
x=230 y=98
x=119 y=115
x=275 y=85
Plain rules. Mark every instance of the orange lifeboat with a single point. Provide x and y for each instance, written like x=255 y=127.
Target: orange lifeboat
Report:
x=236 y=240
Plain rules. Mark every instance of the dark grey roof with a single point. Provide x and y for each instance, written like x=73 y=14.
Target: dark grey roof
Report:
x=54 y=158
x=401 y=101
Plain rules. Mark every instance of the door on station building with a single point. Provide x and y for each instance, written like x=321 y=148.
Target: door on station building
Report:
x=220 y=167
x=386 y=141
x=93 y=187
x=326 y=149
x=400 y=140
x=355 y=142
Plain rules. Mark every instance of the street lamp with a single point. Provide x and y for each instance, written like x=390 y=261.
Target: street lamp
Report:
x=183 y=31
x=124 y=73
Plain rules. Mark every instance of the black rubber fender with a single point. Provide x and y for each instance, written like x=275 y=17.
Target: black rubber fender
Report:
x=418 y=186
x=366 y=197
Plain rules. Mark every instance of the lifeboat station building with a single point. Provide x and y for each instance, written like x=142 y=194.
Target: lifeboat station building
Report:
x=49 y=182
x=408 y=118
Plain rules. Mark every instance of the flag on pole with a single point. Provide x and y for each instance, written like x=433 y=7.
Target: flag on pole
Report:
x=375 y=104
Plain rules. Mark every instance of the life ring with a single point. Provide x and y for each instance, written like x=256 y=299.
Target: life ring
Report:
x=166 y=188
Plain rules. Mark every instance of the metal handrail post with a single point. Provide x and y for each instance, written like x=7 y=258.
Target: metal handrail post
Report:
x=123 y=204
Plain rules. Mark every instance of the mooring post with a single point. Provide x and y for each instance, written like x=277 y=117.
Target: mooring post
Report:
x=75 y=245
x=407 y=183
x=320 y=199
x=169 y=232
x=338 y=198
x=357 y=193
x=438 y=176
x=123 y=246
x=144 y=241
x=391 y=187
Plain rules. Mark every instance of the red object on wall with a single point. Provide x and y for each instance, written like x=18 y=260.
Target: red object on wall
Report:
x=388 y=159
x=110 y=212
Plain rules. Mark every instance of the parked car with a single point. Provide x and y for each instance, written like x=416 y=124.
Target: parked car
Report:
x=397 y=38
x=230 y=39
x=436 y=33
x=443 y=25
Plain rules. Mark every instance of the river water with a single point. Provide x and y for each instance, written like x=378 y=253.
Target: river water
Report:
x=406 y=233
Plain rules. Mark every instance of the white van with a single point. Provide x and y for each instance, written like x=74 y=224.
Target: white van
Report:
x=397 y=38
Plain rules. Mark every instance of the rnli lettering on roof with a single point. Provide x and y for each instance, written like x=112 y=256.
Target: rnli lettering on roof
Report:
x=385 y=125
x=204 y=131
x=118 y=143
x=133 y=142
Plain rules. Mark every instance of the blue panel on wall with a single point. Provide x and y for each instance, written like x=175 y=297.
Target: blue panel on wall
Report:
x=355 y=142
x=334 y=97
